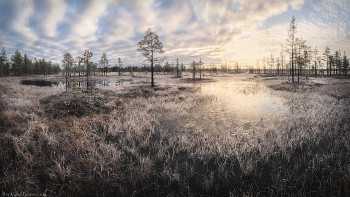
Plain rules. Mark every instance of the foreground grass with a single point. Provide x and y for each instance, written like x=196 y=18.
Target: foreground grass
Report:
x=110 y=144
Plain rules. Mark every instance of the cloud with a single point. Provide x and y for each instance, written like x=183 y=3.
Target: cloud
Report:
x=51 y=13
x=189 y=30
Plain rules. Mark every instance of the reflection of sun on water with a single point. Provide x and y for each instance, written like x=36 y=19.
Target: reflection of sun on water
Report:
x=244 y=100
x=236 y=104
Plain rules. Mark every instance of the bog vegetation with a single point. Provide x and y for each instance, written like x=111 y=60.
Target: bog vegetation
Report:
x=99 y=142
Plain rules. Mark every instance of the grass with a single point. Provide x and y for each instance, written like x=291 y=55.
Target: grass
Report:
x=112 y=144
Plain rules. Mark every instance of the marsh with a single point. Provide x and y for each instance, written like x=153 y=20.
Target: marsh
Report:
x=178 y=138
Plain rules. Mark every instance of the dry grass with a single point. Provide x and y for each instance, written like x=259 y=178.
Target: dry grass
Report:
x=111 y=144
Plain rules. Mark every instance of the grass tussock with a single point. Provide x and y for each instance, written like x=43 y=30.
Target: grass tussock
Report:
x=110 y=144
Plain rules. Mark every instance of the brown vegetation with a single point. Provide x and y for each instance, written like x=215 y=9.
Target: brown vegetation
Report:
x=111 y=144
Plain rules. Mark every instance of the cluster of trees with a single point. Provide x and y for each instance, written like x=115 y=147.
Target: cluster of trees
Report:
x=80 y=67
x=19 y=65
x=303 y=59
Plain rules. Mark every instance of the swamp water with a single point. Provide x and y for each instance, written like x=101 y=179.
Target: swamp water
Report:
x=79 y=84
x=235 y=104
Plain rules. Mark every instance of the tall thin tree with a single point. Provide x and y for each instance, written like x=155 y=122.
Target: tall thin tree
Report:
x=200 y=63
x=193 y=66
x=67 y=62
x=119 y=65
x=87 y=57
x=290 y=42
x=326 y=57
x=16 y=62
x=149 y=46
x=104 y=63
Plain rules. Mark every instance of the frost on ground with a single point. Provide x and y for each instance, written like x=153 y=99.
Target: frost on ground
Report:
x=110 y=142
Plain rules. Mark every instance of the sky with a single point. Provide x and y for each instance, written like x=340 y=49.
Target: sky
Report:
x=215 y=31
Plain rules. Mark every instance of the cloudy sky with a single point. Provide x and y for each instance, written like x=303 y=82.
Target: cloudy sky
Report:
x=213 y=30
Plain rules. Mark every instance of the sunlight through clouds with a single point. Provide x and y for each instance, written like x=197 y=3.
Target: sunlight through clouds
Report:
x=211 y=30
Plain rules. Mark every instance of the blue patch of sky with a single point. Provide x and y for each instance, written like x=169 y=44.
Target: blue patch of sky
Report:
x=179 y=31
x=19 y=46
x=286 y=17
x=156 y=4
x=234 y=6
x=6 y=13
x=76 y=5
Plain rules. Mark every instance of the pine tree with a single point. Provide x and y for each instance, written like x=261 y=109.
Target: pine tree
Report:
x=67 y=62
x=177 y=68
x=119 y=65
x=104 y=63
x=299 y=45
x=149 y=46
x=291 y=42
x=326 y=57
x=16 y=63
x=3 y=61
x=87 y=57
x=345 y=64
x=26 y=63
x=193 y=66
x=282 y=60
x=200 y=63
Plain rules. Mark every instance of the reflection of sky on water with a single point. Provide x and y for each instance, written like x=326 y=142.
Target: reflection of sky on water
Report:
x=236 y=104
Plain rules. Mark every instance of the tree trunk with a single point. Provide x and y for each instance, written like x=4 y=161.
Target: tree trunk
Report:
x=152 y=80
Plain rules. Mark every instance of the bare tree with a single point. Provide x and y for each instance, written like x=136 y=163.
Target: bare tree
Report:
x=150 y=45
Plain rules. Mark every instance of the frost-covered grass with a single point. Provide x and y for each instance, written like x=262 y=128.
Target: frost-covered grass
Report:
x=111 y=144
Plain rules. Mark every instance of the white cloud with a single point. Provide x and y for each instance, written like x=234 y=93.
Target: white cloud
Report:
x=54 y=13
x=189 y=30
x=20 y=23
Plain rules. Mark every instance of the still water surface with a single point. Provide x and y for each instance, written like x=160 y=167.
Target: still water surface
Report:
x=235 y=104
x=80 y=84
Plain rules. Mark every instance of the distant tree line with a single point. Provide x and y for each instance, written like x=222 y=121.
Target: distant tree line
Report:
x=303 y=60
x=19 y=65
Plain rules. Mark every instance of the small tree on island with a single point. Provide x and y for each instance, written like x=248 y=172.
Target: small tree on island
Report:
x=150 y=45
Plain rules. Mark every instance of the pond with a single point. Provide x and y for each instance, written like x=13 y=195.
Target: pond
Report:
x=235 y=104
x=39 y=83
x=79 y=84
